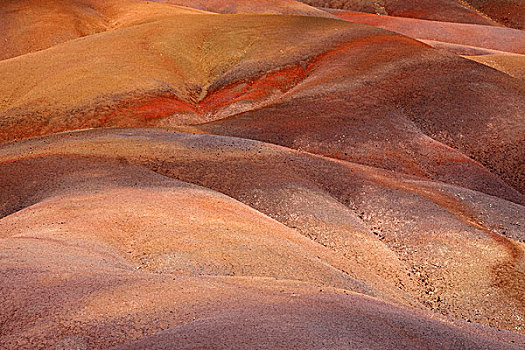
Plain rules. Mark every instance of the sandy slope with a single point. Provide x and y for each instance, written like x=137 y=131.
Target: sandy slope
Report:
x=481 y=36
x=395 y=117
x=274 y=7
x=260 y=174
x=33 y=25
x=510 y=13
x=102 y=310
x=205 y=234
x=437 y=10
x=513 y=65
x=184 y=61
x=185 y=74
x=328 y=321
x=403 y=255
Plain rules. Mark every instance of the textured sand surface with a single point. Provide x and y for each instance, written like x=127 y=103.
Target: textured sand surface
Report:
x=513 y=65
x=477 y=35
x=509 y=13
x=236 y=174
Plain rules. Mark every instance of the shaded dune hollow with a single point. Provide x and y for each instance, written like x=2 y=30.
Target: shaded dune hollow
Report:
x=274 y=174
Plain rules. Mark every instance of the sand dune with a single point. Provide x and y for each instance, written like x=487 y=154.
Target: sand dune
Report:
x=387 y=214
x=234 y=174
x=183 y=62
x=174 y=80
x=509 y=13
x=513 y=65
x=436 y=10
x=273 y=7
x=33 y=25
x=104 y=310
x=481 y=36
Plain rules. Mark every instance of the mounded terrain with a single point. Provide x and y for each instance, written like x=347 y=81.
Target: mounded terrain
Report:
x=273 y=175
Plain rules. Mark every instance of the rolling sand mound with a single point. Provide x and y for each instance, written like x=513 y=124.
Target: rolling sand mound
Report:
x=165 y=72
x=436 y=10
x=513 y=65
x=129 y=220
x=330 y=321
x=402 y=116
x=335 y=203
x=101 y=311
x=269 y=7
x=261 y=174
x=33 y=25
x=186 y=75
x=482 y=36
x=510 y=13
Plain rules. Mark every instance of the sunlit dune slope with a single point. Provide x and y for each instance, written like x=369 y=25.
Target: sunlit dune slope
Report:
x=165 y=68
x=104 y=310
x=411 y=117
x=281 y=7
x=53 y=186
x=179 y=72
x=330 y=321
x=33 y=25
x=273 y=174
x=513 y=65
x=155 y=224
x=395 y=237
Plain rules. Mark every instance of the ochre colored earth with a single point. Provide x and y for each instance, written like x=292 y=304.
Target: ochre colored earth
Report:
x=234 y=174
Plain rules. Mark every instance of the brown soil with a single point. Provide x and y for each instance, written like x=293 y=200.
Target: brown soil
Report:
x=480 y=36
x=459 y=11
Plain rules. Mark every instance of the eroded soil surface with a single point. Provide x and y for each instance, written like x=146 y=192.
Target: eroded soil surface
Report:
x=274 y=174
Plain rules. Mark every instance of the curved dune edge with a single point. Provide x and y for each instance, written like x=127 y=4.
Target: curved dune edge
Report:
x=166 y=72
x=35 y=25
x=482 y=36
x=218 y=310
x=464 y=50
x=509 y=13
x=269 y=7
x=289 y=70
x=344 y=202
x=513 y=65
